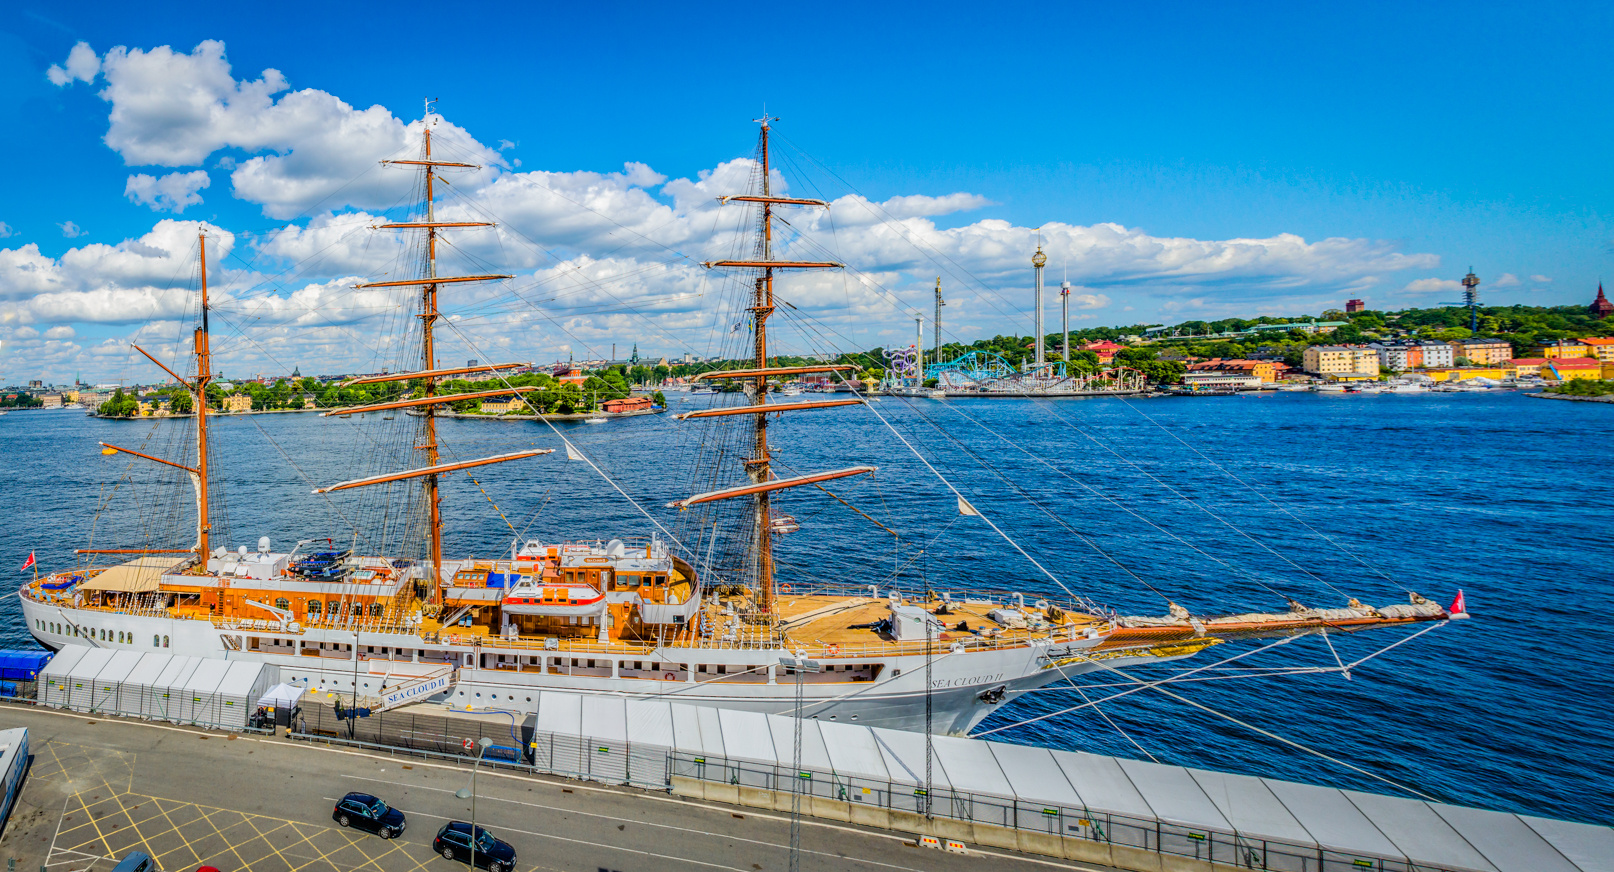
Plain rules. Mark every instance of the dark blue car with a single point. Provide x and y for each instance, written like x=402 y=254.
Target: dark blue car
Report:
x=369 y=813
x=454 y=843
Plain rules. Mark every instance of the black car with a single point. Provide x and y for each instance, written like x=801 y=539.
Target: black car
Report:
x=454 y=843
x=369 y=813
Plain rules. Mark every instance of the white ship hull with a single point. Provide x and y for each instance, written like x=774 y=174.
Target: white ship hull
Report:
x=966 y=687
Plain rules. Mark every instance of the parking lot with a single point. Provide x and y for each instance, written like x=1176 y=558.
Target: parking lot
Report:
x=100 y=788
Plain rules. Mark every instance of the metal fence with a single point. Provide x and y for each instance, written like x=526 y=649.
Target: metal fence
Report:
x=1229 y=848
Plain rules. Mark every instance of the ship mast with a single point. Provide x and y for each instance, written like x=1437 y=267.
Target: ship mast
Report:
x=204 y=374
x=429 y=373
x=198 y=389
x=758 y=466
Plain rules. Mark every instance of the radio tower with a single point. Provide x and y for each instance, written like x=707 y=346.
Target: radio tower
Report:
x=1471 y=299
x=1037 y=262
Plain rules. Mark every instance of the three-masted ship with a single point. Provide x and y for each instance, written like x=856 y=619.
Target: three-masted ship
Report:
x=608 y=612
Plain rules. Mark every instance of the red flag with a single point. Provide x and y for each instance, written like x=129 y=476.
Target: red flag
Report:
x=1459 y=607
x=29 y=563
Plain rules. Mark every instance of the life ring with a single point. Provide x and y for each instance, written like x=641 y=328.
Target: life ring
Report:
x=668 y=676
x=832 y=650
x=784 y=588
x=469 y=744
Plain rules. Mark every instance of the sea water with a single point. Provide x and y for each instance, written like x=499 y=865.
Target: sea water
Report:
x=1219 y=504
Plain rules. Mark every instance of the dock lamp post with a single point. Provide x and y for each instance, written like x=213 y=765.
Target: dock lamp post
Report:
x=463 y=793
x=801 y=666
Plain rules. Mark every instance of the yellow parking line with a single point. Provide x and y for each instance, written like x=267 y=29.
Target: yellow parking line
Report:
x=208 y=819
x=132 y=825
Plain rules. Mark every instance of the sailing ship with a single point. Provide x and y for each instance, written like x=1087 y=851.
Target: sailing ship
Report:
x=611 y=612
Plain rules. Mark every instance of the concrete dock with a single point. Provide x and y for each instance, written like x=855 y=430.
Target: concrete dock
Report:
x=100 y=787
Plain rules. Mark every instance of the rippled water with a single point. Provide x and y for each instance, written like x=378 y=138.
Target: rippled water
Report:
x=1311 y=496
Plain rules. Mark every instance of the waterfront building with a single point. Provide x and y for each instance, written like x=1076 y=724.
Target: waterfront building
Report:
x=1435 y=353
x=1396 y=356
x=153 y=404
x=51 y=401
x=1222 y=379
x=1341 y=361
x=503 y=405
x=569 y=373
x=625 y=404
x=1601 y=307
x=1523 y=366
x=1561 y=349
x=1261 y=370
x=1600 y=347
x=237 y=403
x=1572 y=368
x=1482 y=352
x=1463 y=373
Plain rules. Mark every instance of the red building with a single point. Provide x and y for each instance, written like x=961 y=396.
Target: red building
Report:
x=569 y=373
x=1601 y=307
x=1354 y=306
x=1105 y=350
x=626 y=404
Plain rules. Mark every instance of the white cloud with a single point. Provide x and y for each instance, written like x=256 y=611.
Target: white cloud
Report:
x=1429 y=286
x=598 y=256
x=170 y=193
x=1508 y=280
x=71 y=230
x=6 y=230
x=60 y=331
x=82 y=65
x=1541 y=279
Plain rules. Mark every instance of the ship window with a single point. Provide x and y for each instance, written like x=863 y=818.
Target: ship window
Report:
x=165 y=641
x=282 y=603
x=313 y=607
x=332 y=607
x=377 y=609
x=156 y=641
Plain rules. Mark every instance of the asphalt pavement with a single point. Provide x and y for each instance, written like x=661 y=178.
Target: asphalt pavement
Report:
x=101 y=787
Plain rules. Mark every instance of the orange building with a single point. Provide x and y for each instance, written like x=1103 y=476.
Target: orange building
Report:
x=1600 y=347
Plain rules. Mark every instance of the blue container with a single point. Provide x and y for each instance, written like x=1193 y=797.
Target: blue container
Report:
x=22 y=665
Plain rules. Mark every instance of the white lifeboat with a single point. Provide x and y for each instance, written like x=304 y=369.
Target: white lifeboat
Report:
x=552 y=598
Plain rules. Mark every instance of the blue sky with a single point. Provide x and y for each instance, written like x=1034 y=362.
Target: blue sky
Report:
x=1423 y=140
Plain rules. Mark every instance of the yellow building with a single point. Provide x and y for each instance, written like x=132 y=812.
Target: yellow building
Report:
x=1484 y=352
x=1462 y=373
x=504 y=405
x=1600 y=347
x=1561 y=350
x=1571 y=369
x=238 y=403
x=153 y=405
x=1341 y=361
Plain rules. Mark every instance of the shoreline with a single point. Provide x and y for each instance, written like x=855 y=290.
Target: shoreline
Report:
x=575 y=416
x=1607 y=398
x=193 y=414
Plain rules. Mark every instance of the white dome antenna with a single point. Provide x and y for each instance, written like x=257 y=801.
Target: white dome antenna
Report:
x=263 y=544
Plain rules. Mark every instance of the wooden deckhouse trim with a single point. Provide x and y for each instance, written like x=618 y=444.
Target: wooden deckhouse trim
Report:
x=432 y=470
x=767 y=409
x=774 y=370
x=432 y=373
x=770 y=486
x=426 y=401
x=436 y=280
